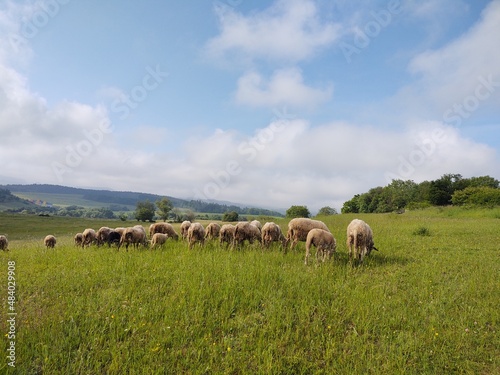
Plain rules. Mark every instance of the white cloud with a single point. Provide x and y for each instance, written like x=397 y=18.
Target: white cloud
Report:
x=328 y=164
x=290 y=30
x=285 y=88
x=450 y=74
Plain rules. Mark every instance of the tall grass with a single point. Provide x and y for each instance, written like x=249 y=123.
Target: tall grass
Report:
x=423 y=304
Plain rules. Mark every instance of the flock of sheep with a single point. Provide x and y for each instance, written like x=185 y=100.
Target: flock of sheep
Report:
x=313 y=232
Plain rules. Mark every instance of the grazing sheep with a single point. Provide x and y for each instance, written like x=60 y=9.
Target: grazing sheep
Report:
x=257 y=224
x=226 y=234
x=78 y=239
x=323 y=241
x=102 y=235
x=212 y=231
x=4 y=243
x=164 y=228
x=158 y=239
x=246 y=231
x=298 y=229
x=271 y=232
x=50 y=241
x=120 y=230
x=89 y=237
x=184 y=228
x=114 y=238
x=135 y=235
x=359 y=236
x=196 y=233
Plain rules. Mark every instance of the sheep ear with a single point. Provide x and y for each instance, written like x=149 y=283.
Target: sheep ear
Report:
x=374 y=248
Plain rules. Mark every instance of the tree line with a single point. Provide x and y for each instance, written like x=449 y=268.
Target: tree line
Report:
x=450 y=189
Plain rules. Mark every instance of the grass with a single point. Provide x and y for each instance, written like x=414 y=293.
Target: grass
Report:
x=422 y=305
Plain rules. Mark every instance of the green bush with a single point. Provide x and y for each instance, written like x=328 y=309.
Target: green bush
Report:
x=477 y=196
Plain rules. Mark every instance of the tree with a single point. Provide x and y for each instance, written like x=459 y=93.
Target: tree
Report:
x=164 y=207
x=230 y=216
x=327 y=211
x=298 y=211
x=351 y=206
x=442 y=189
x=484 y=196
x=189 y=215
x=145 y=211
x=485 y=181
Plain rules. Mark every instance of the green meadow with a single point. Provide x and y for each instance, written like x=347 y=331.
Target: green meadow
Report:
x=427 y=303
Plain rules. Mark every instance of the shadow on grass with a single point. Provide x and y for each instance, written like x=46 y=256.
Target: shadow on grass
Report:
x=375 y=259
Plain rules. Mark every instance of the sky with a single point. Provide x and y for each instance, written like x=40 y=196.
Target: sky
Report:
x=260 y=103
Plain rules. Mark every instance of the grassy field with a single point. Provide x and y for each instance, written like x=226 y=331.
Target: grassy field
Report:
x=427 y=303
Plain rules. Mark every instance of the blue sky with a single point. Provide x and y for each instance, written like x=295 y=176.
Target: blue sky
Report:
x=267 y=103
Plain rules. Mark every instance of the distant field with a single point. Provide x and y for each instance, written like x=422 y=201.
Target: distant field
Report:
x=427 y=303
x=63 y=200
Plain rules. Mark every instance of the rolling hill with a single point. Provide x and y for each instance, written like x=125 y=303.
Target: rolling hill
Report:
x=44 y=195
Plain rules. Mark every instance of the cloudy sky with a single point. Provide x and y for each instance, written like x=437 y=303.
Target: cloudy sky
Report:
x=266 y=103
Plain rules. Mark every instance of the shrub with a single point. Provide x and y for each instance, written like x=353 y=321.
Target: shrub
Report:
x=477 y=196
x=422 y=231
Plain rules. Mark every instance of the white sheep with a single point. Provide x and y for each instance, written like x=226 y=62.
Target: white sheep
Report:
x=246 y=231
x=271 y=232
x=50 y=241
x=323 y=241
x=359 y=237
x=298 y=229
x=158 y=239
x=212 y=231
x=4 y=243
x=196 y=233
x=78 y=239
x=226 y=234
x=89 y=237
x=165 y=228
x=257 y=224
x=184 y=228
x=135 y=235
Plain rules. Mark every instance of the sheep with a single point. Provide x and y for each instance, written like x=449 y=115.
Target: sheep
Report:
x=164 y=228
x=158 y=239
x=49 y=241
x=120 y=230
x=212 y=231
x=196 y=233
x=135 y=235
x=114 y=237
x=323 y=241
x=226 y=234
x=184 y=228
x=4 y=243
x=298 y=229
x=272 y=232
x=89 y=237
x=102 y=235
x=246 y=231
x=78 y=239
x=359 y=236
x=257 y=224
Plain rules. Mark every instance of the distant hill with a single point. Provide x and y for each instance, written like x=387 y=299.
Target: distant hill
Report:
x=8 y=201
x=63 y=196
